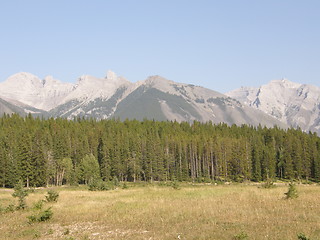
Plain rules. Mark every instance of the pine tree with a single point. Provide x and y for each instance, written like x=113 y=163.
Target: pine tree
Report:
x=257 y=149
x=297 y=158
x=4 y=166
x=288 y=170
x=21 y=194
x=25 y=160
x=103 y=160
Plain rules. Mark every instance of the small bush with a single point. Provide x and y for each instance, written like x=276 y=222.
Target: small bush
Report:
x=38 y=205
x=70 y=238
x=115 y=181
x=302 y=236
x=41 y=216
x=99 y=185
x=241 y=236
x=32 y=218
x=10 y=208
x=45 y=215
x=36 y=234
x=66 y=231
x=268 y=184
x=31 y=190
x=175 y=185
x=52 y=196
x=292 y=192
x=125 y=186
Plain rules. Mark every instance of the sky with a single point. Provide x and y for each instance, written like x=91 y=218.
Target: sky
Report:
x=217 y=44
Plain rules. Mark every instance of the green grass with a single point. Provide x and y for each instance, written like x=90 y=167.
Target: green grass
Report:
x=145 y=211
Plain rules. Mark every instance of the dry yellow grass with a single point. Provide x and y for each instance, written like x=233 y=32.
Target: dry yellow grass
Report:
x=154 y=212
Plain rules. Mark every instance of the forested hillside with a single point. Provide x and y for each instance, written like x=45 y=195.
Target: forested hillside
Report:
x=59 y=151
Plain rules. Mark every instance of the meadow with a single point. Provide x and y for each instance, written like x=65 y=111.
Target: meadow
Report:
x=158 y=211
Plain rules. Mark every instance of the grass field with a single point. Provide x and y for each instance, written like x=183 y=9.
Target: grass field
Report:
x=161 y=212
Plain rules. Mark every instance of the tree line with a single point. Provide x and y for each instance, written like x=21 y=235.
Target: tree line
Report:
x=43 y=152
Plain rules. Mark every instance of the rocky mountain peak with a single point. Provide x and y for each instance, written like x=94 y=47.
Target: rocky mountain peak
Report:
x=111 y=75
x=285 y=83
x=292 y=103
x=23 y=79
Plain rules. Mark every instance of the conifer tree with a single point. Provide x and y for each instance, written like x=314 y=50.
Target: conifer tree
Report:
x=288 y=162
x=21 y=194
x=256 y=159
x=25 y=160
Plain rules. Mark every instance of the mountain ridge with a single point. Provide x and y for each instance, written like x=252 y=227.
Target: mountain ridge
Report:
x=297 y=105
x=155 y=98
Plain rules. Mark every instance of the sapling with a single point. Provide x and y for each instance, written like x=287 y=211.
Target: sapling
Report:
x=41 y=216
x=52 y=196
x=292 y=192
x=21 y=194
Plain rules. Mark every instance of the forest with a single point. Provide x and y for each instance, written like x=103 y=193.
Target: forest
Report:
x=43 y=152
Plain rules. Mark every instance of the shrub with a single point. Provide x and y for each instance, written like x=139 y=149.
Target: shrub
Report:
x=175 y=185
x=31 y=190
x=41 y=216
x=38 y=205
x=268 y=184
x=52 y=196
x=302 y=236
x=36 y=235
x=45 y=215
x=115 y=181
x=66 y=231
x=292 y=192
x=10 y=208
x=125 y=186
x=99 y=185
x=241 y=236
x=21 y=194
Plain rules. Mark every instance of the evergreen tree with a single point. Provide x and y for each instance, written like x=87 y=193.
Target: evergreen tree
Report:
x=288 y=171
x=25 y=160
x=257 y=149
x=103 y=160
x=21 y=194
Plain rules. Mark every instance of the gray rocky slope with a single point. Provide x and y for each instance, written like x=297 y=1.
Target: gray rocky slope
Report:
x=297 y=105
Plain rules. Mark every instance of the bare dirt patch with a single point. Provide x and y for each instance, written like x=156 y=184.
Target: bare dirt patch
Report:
x=89 y=230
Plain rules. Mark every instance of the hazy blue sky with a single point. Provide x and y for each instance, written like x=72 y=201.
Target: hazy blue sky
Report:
x=222 y=44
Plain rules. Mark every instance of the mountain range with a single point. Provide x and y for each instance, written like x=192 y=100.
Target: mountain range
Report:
x=281 y=103
x=297 y=105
